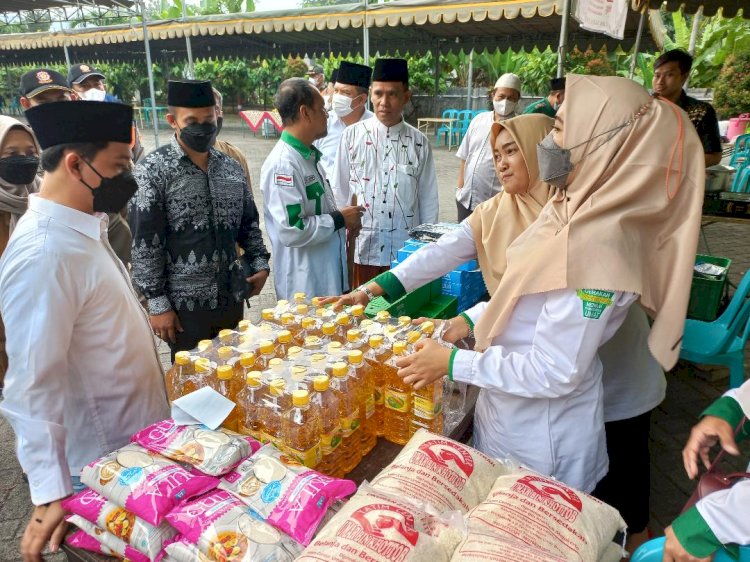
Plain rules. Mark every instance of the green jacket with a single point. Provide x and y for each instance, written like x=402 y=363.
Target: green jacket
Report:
x=541 y=106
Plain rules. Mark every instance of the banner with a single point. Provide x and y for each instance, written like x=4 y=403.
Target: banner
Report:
x=602 y=16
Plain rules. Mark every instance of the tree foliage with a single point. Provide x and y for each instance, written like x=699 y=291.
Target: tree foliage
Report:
x=732 y=91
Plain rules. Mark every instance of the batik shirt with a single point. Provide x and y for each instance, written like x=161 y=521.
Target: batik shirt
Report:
x=186 y=224
x=703 y=117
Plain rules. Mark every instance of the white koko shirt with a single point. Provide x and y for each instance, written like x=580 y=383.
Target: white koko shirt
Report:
x=329 y=145
x=83 y=372
x=392 y=173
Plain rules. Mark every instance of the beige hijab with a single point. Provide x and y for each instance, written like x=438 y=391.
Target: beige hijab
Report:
x=499 y=220
x=629 y=218
x=14 y=198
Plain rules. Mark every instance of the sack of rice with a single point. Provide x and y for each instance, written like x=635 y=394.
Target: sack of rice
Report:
x=487 y=547
x=376 y=527
x=212 y=452
x=546 y=515
x=144 y=483
x=94 y=539
x=440 y=471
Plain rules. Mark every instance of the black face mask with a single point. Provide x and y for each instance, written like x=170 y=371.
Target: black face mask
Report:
x=198 y=136
x=19 y=170
x=113 y=193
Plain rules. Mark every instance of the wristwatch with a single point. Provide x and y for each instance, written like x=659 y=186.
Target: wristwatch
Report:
x=366 y=290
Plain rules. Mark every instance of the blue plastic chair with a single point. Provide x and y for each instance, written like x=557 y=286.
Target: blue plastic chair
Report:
x=722 y=342
x=653 y=551
x=741 y=155
x=741 y=182
x=444 y=130
x=460 y=128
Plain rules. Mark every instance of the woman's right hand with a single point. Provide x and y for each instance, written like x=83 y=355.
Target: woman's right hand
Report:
x=457 y=328
x=350 y=299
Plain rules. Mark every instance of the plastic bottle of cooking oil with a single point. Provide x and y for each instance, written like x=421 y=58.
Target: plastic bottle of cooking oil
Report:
x=299 y=378
x=269 y=315
x=365 y=387
x=397 y=414
x=206 y=349
x=342 y=385
x=244 y=325
x=377 y=356
x=276 y=369
x=250 y=405
x=225 y=355
x=354 y=340
x=285 y=342
x=244 y=366
x=300 y=298
x=327 y=403
x=343 y=324
x=383 y=316
x=301 y=430
x=224 y=374
x=277 y=403
x=292 y=323
x=294 y=353
x=335 y=352
x=329 y=331
x=310 y=327
x=357 y=312
x=314 y=343
x=228 y=337
x=267 y=350
x=180 y=372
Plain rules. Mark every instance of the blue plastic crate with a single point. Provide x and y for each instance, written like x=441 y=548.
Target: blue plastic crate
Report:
x=415 y=242
x=403 y=255
x=457 y=289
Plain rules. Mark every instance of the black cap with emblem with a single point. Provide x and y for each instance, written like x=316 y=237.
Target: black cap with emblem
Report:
x=80 y=122
x=40 y=80
x=391 y=70
x=354 y=74
x=79 y=72
x=190 y=93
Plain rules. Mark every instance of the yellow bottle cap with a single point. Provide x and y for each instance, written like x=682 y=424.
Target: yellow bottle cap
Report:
x=404 y=320
x=383 y=315
x=283 y=303
x=308 y=322
x=353 y=335
x=294 y=351
x=299 y=372
x=312 y=341
x=243 y=325
x=203 y=365
x=299 y=297
x=277 y=387
x=225 y=334
x=428 y=327
x=287 y=318
x=267 y=346
x=376 y=340
x=321 y=312
x=203 y=345
x=316 y=301
x=182 y=358
x=300 y=398
x=334 y=347
x=247 y=359
x=267 y=314
x=357 y=310
x=317 y=358
x=253 y=379
x=413 y=336
x=276 y=363
x=302 y=309
x=366 y=323
x=399 y=347
x=342 y=319
x=328 y=328
x=340 y=369
x=285 y=336
x=321 y=383
x=225 y=352
x=355 y=357
x=224 y=372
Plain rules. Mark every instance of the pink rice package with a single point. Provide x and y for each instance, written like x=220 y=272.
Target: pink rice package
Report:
x=290 y=496
x=94 y=539
x=222 y=528
x=97 y=509
x=144 y=483
x=212 y=452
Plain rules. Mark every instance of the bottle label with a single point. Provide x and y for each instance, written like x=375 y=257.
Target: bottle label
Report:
x=370 y=406
x=329 y=441
x=309 y=458
x=379 y=395
x=350 y=424
x=425 y=408
x=395 y=400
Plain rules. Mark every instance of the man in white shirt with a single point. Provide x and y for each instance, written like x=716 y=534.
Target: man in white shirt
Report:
x=83 y=370
x=349 y=106
x=477 y=180
x=388 y=165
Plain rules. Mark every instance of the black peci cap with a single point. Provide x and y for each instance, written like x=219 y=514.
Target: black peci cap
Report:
x=391 y=70
x=354 y=74
x=40 y=80
x=190 y=93
x=83 y=121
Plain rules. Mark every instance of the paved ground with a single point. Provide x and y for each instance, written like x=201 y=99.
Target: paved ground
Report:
x=690 y=390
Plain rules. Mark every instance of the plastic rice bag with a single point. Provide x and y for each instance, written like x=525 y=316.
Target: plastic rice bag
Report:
x=223 y=528
x=94 y=539
x=136 y=532
x=378 y=527
x=288 y=495
x=144 y=483
x=212 y=452
x=440 y=471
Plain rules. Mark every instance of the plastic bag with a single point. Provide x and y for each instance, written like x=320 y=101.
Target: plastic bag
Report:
x=212 y=452
x=92 y=538
x=290 y=496
x=221 y=527
x=98 y=510
x=144 y=483
x=430 y=232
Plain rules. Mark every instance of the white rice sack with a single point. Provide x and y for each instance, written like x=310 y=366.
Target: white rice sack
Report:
x=612 y=553
x=546 y=515
x=487 y=547
x=440 y=471
x=376 y=527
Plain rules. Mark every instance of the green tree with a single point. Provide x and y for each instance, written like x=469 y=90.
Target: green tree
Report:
x=732 y=87
x=295 y=68
x=29 y=23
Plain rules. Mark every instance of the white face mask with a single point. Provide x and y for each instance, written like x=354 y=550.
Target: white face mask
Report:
x=342 y=105
x=93 y=94
x=504 y=107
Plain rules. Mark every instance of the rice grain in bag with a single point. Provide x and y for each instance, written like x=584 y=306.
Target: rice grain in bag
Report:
x=547 y=515
x=223 y=528
x=440 y=471
x=212 y=452
x=144 y=483
x=485 y=547
x=290 y=496
x=104 y=541
x=97 y=509
x=376 y=527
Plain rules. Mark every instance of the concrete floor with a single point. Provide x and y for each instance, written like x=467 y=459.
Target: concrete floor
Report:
x=690 y=389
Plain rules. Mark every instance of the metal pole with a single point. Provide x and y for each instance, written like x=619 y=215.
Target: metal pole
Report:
x=637 y=45
x=470 y=79
x=150 y=73
x=187 y=42
x=366 y=39
x=67 y=55
x=562 y=48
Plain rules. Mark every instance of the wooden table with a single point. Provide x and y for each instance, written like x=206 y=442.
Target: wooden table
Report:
x=425 y=123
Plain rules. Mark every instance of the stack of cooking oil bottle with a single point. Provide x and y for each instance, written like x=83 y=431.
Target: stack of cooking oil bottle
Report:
x=319 y=384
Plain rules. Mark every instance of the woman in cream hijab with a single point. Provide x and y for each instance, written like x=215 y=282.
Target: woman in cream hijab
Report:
x=19 y=163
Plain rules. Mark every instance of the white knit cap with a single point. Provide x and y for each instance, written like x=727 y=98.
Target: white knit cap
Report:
x=509 y=80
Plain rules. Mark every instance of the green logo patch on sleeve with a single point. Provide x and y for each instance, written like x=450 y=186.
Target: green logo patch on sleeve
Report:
x=594 y=302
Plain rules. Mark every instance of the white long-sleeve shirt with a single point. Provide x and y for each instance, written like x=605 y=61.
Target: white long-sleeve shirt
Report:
x=83 y=372
x=329 y=145
x=392 y=172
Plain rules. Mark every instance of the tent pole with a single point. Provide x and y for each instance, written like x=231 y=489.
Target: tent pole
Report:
x=150 y=73
x=471 y=78
x=67 y=55
x=561 y=50
x=637 y=44
x=190 y=73
x=366 y=39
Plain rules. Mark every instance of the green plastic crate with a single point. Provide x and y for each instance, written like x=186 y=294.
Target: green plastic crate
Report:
x=442 y=307
x=705 y=294
x=408 y=305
